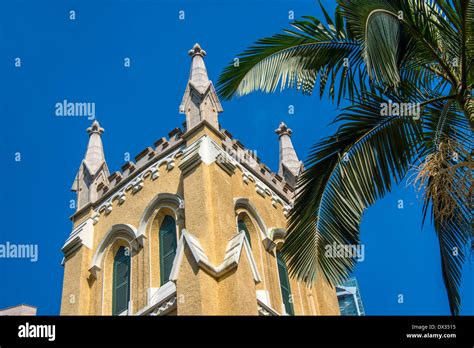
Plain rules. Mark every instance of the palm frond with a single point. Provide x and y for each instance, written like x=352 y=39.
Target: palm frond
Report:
x=445 y=177
x=345 y=174
x=382 y=40
x=400 y=33
x=296 y=59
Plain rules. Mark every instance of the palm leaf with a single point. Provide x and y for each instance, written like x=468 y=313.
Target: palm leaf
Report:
x=296 y=59
x=445 y=176
x=398 y=33
x=345 y=174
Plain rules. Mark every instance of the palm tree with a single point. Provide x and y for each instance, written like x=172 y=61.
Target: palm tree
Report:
x=375 y=54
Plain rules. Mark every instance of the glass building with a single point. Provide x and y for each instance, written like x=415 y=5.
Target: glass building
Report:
x=348 y=296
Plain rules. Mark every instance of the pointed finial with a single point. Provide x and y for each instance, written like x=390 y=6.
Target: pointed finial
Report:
x=283 y=130
x=200 y=101
x=95 y=152
x=197 y=51
x=289 y=167
x=95 y=128
x=93 y=169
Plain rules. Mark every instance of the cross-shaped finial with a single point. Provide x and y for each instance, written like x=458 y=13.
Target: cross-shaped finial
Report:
x=197 y=50
x=95 y=128
x=283 y=130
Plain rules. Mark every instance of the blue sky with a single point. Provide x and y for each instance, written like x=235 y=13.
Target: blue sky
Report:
x=82 y=60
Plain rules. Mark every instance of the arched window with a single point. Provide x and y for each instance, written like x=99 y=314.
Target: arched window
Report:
x=285 y=285
x=168 y=244
x=121 y=281
x=243 y=227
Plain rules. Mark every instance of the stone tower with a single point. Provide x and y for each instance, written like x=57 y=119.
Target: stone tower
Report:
x=191 y=227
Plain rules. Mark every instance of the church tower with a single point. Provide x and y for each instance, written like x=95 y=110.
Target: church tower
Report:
x=192 y=226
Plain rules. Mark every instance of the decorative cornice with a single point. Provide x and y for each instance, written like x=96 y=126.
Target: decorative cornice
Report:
x=83 y=234
x=206 y=150
x=263 y=185
x=191 y=157
x=203 y=150
x=263 y=189
x=252 y=164
x=198 y=127
x=225 y=164
x=144 y=168
x=136 y=184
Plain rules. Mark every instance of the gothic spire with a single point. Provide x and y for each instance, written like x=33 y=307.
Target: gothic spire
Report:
x=198 y=72
x=289 y=166
x=94 y=157
x=200 y=101
x=93 y=169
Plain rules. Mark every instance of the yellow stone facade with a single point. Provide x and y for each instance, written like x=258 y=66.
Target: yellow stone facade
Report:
x=193 y=177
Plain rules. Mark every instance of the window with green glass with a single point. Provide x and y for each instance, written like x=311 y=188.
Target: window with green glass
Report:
x=285 y=285
x=243 y=227
x=121 y=281
x=168 y=245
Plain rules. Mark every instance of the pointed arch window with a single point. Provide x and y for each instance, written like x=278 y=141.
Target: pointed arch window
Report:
x=285 y=285
x=168 y=245
x=121 y=281
x=243 y=227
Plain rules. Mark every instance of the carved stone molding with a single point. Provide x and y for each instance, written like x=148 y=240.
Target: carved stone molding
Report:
x=135 y=185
